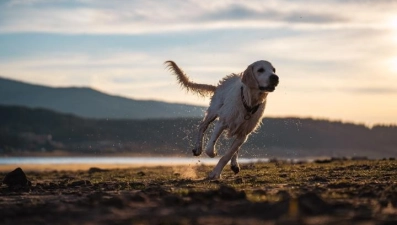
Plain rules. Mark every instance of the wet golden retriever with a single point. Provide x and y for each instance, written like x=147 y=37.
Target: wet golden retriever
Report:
x=238 y=101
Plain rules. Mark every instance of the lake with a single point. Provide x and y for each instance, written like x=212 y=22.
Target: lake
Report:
x=75 y=163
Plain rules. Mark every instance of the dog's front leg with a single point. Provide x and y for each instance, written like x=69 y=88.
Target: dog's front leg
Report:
x=216 y=172
x=202 y=128
x=210 y=150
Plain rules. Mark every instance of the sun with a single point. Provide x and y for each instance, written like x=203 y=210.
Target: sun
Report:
x=392 y=64
x=393 y=23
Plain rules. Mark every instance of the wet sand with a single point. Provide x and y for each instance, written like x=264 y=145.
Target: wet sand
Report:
x=324 y=192
x=69 y=167
x=73 y=163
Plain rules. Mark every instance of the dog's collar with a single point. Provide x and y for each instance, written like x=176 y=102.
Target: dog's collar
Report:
x=250 y=110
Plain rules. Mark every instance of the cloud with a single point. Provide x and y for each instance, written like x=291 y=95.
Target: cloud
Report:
x=348 y=89
x=137 y=17
x=373 y=90
x=241 y=12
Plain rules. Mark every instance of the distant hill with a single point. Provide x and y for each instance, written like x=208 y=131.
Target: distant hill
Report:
x=35 y=130
x=90 y=103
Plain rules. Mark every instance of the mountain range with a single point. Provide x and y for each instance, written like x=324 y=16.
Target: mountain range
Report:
x=90 y=103
x=36 y=118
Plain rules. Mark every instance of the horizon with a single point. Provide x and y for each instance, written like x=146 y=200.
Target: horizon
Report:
x=270 y=117
x=334 y=65
x=331 y=120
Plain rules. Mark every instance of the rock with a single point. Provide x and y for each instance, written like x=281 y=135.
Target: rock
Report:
x=16 y=178
x=322 y=161
x=96 y=170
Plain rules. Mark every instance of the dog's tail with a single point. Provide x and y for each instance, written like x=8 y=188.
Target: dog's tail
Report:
x=183 y=79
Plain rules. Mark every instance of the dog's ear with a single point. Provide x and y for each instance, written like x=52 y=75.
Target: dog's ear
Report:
x=248 y=77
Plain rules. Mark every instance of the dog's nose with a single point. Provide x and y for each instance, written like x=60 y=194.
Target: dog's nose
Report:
x=273 y=79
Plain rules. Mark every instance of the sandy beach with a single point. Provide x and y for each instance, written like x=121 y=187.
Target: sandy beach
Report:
x=322 y=192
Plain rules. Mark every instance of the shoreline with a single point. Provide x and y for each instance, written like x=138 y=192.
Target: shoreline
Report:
x=75 y=163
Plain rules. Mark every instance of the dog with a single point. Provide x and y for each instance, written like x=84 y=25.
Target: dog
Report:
x=238 y=101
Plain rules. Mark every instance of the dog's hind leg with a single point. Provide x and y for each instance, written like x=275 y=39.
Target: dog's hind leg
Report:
x=234 y=163
x=210 y=150
x=216 y=172
x=202 y=128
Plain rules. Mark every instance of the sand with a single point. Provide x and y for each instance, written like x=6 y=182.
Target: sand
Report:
x=327 y=192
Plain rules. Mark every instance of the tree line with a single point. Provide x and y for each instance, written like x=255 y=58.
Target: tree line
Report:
x=25 y=129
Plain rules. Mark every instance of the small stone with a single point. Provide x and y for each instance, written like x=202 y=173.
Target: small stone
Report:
x=323 y=161
x=96 y=170
x=16 y=178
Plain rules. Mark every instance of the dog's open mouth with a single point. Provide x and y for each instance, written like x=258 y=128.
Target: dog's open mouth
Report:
x=267 y=88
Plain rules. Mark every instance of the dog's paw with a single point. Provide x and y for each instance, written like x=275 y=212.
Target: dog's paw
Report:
x=211 y=153
x=235 y=169
x=213 y=176
x=196 y=151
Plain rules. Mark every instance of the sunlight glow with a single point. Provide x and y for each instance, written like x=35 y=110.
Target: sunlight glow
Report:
x=392 y=63
x=393 y=23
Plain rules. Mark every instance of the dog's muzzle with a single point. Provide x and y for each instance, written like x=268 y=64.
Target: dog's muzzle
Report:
x=273 y=82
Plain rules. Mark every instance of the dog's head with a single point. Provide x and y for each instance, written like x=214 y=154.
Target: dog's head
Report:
x=261 y=75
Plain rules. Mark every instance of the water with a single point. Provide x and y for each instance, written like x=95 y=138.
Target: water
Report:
x=133 y=161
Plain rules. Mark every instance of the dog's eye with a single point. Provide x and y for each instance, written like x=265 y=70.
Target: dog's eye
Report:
x=274 y=70
x=261 y=70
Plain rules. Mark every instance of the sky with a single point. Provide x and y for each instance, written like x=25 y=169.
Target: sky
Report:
x=336 y=59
